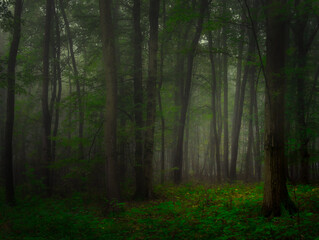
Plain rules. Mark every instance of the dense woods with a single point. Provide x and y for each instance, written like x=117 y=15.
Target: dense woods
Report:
x=123 y=101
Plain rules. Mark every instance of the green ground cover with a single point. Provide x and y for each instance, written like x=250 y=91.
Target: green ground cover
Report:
x=184 y=212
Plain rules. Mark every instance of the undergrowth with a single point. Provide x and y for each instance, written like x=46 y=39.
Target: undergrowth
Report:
x=183 y=212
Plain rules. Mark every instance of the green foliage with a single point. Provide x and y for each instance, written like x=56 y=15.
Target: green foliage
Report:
x=184 y=212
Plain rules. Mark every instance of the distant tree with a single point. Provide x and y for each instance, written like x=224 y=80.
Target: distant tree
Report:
x=151 y=97
x=7 y=152
x=178 y=158
x=110 y=125
x=46 y=117
x=138 y=99
x=275 y=190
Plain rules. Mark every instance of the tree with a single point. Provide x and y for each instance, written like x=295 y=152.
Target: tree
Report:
x=46 y=118
x=8 y=149
x=275 y=190
x=138 y=99
x=77 y=81
x=178 y=158
x=151 y=97
x=110 y=126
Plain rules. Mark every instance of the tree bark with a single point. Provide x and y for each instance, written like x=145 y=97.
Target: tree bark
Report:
x=225 y=80
x=215 y=139
x=275 y=189
x=160 y=100
x=138 y=101
x=178 y=159
x=110 y=125
x=151 y=97
x=46 y=117
x=57 y=66
x=249 y=155
x=239 y=109
x=8 y=135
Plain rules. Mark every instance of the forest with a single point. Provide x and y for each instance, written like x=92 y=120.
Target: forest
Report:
x=159 y=119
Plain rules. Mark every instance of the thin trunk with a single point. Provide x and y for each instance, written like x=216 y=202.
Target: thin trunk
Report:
x=8 y=148
x=138 y=100
x=249 y=154
x=160 y=100
x=178 y=159
x=239 y=109
x=225 y=78
x=110 y=125
x=77 y=80
x=46 y=118
x=257 y=138
x=59 y=82
x=215 y=138
x=151 y=97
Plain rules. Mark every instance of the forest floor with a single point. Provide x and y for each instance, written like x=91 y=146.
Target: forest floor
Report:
x=185 y=212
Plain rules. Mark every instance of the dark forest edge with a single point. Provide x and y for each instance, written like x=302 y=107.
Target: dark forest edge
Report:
x=188 y=211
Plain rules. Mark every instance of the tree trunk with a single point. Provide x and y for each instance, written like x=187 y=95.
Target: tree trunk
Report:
x=249 y=155
x=151 y=97
x=77 y=81
x=239 y=109
x=57 y=67
x=138 y=101
x=160 y=100
x=215 y=139
x=257 y=138
x=225 y=78
x=110 y=125
x=178 y=159
x=275 y=190
x=46 y=118
x=8 y=150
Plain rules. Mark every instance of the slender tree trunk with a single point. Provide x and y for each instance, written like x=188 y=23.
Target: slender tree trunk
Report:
x=151 y=97
x=249 y=155
x=46 y=118
x=257 y=138
x=186 y=149
x=225 y=78
x=110 y=125
x=57 y=67
x=178 y=159
x=77 y=80
x=215 y=139
x=8 y=135
x=160 y=100
x=239 y=109
x=275 y=189
x=138 y=101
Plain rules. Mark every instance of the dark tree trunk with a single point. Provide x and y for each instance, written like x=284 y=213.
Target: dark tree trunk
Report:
x=239 y=109
x=110 y=125
x=178 y=159
x=151 y=97
x=257 y=139
x=303 y=45
x=160 y=100
x=215 y=139
x=275 y=189
x=8 y=150
x=249 y=155
x=225 y=80
x=46 y=118
x=138 y=101
x=58 y=78
x=77 y=81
